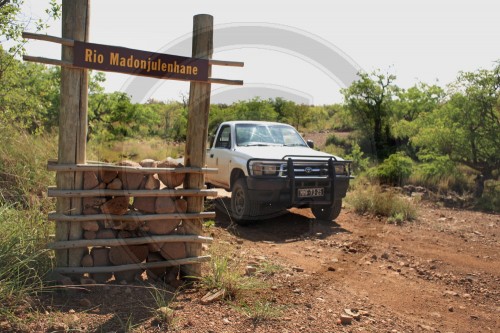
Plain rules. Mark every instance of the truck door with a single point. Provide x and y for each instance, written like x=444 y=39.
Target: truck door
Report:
x=219 y=157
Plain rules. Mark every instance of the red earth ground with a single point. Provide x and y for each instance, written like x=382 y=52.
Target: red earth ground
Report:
x=440 y=273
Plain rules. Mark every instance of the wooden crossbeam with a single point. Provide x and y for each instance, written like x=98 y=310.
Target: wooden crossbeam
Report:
x=129 y=169
x=72 y=244
x=131 y=267
x=54 y=192
x=53 y=216
x=49 y=38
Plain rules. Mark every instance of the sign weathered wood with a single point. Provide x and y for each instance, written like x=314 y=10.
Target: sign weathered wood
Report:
x=196 y=141
x=136 y=62
x=72 y=128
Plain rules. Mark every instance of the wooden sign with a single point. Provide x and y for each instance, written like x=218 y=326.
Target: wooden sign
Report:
x=77 y=56
x=129 y=61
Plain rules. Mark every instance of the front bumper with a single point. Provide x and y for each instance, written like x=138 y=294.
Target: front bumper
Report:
x=285 y=190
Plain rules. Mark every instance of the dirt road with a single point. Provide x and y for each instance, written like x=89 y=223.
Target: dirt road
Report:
x=438 y=274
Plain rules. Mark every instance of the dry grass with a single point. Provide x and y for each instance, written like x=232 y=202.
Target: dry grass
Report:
x=225 y=273
x=372 y=199
x=136 y=150
x=24 y=230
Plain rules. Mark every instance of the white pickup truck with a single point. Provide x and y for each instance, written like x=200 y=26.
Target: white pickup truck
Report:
x=268 y=167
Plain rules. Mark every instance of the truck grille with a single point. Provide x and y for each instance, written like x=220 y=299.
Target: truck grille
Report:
x=303 y=167
x=307 y=169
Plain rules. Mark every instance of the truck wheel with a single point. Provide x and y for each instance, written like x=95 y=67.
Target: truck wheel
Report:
x=326 y=212
x=241 y=206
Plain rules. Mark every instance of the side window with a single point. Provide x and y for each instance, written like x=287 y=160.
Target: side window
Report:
x=224 y=138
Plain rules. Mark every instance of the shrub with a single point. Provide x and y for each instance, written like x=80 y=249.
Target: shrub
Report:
x=334 y=150
x=337 y=141
x=359 y=163
x=439 y=173
x=490 y=201
x=394 y=170
x=374 y=200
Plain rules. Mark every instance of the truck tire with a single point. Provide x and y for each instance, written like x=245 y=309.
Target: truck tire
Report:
x=326 y=212
x=242 y=209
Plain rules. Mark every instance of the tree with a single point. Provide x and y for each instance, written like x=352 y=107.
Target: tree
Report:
x=467 y=127
x=297 y=115
x=418 y=99
x=278 y=104
x=27 y=91
x=370 y=102
x=12 y=25
x=28 y=94
x=255 y=109
x=410 y=104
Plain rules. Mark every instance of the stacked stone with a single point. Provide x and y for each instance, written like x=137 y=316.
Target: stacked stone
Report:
x=127 y=206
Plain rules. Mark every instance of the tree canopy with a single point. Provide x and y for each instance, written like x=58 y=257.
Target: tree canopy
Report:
x=467 y=127
x=370 y=103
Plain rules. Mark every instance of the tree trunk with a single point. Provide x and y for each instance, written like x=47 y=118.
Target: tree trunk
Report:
x=377 y=137
x=479 y=189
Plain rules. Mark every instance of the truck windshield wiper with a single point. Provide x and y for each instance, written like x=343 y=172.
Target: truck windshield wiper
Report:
x=261 y=144
x=294 y=145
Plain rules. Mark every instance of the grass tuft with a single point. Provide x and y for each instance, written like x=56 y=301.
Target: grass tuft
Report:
x=372 y=199
x=260 y=311
x=224 y=274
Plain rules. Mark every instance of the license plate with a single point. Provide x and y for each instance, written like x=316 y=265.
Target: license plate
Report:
x=311 y=192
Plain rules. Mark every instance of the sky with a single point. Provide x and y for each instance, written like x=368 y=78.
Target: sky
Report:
x=306 y=51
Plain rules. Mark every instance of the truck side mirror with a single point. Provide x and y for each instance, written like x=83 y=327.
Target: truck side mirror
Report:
x=310 y=143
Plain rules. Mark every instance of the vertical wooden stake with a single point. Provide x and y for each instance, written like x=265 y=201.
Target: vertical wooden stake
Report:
x=72 y=127
x=196 y=141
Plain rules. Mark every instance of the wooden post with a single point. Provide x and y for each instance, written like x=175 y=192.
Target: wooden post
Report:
x=196 y=141
x=72 y=127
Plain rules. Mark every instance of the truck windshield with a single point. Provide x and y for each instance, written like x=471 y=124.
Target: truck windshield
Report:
x=267 y=135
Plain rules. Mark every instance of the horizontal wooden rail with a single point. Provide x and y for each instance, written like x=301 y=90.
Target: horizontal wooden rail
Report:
x=224 y=81
x=130 y=267
x=48 y=38
x=73 y=244
x=226 y=63
x=54 y=192
x=47 y=61
x=129 y=169
x=53 y=216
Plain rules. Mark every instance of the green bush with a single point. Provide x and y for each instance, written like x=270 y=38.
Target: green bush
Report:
x=337 y=141
x=439 y=173
x=394 y=170
x=490 y=201
x=359 y=162
x=334 y=150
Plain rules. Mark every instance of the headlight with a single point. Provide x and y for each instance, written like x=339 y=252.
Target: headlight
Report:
x=264 y=168
x=341 y=169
